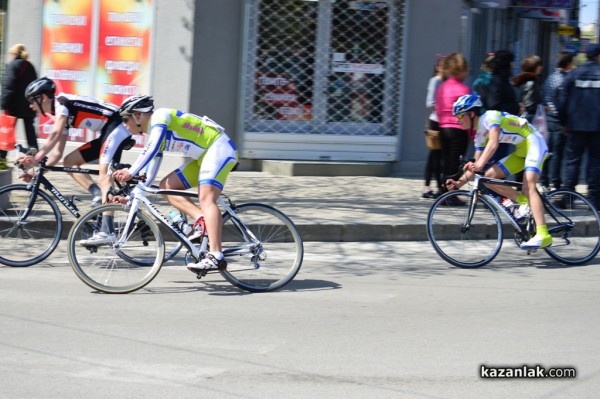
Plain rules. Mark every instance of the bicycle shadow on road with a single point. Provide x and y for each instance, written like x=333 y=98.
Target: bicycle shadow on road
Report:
x=223 y=288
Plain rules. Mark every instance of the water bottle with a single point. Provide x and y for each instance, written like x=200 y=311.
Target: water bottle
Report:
x=508 y=203
x=178 y=220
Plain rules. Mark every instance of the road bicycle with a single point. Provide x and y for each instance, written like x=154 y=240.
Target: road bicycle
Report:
x=471 y=235
x=262 y=246
x=31 y=224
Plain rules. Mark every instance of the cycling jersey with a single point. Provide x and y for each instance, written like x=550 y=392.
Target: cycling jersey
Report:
x=85 y=112
x=513 y=129
x=192 y=136
x=118 y=140
x=530 y=147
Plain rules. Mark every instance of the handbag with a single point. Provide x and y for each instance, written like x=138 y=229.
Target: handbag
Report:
x=432 y=139
x=539 y=121
x=8 y=140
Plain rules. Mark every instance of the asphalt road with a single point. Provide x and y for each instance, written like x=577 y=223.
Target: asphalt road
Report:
x=361 y=320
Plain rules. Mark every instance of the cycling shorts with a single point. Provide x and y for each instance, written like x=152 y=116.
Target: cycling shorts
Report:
x=91 y=150
x=529 y=155
x=212 y=167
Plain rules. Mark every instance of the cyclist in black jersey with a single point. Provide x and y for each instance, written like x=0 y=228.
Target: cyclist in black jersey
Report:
x=71 y=111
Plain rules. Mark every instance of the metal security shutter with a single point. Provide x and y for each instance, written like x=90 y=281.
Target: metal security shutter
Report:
x=321 y=79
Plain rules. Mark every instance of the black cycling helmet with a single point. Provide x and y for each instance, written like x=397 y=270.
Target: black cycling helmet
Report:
x=139 y=103
x=38 y=87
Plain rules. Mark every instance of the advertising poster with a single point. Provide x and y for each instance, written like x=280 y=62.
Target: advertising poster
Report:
x=98 y=48
x=66 y=50
x=125 y=32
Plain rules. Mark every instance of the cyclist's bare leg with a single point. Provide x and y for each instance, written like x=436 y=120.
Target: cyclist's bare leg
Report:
x=183 y=204
x=75 y=160
x=505 y=191
x=530 y=180
x=208 y=195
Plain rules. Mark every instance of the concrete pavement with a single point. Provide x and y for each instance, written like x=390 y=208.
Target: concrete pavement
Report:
x=339 y=208
x=324 y=208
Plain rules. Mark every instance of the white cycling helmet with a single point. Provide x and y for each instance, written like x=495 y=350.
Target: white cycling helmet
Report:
x=138 y=103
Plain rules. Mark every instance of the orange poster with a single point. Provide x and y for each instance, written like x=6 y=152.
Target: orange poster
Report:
x=66 y=45
x=125 y=32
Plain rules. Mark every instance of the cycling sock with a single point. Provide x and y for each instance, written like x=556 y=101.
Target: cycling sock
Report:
x=218 y=255
x=542 y=230
x=107 y=224
x=522 y=199
x=94 y=189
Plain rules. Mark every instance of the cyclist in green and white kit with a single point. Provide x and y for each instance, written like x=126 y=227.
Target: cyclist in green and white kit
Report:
x=494 y=127
x=213 y=155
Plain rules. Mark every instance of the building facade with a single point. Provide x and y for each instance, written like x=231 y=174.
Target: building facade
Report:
x=326 y=80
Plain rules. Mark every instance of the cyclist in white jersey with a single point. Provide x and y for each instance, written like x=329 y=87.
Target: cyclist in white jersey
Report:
x=496 y=127
x=73 y=111
x=213 y=155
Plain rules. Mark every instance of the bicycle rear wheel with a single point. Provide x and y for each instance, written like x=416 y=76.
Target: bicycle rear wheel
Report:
x=27 y=242
x=579 y=243
x=112 y=268
x=264 y=252
x=460 y=239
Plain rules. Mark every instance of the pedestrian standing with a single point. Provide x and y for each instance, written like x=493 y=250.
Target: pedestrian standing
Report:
x=454 y=138
x=530 y=94
x=434 y=158
x=500 y=94
x=17 y=75
x=580 y=113
x=553 y=90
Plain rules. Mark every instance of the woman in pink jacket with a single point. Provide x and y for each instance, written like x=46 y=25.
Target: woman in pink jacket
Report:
x=454 y=138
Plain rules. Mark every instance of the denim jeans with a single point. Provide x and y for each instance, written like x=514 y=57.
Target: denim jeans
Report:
x=577 y=144
x=551 y=174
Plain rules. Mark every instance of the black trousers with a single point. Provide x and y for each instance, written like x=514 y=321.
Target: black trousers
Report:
x=454 y=145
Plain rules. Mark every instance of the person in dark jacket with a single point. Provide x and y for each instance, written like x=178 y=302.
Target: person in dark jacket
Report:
x=529 y=86
x=18 y=74
x=553 y=90
x=579 y=112
x=530 y=94
x=499 y=93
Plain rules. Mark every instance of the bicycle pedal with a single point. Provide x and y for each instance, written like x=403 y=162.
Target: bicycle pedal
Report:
x=531 y=251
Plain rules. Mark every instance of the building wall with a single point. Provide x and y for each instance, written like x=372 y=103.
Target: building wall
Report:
x=197 y=59
x=217 y=52
x=433 y=27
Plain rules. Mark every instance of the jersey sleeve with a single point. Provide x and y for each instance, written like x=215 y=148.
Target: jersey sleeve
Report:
x=154 y=147
x=487 y=121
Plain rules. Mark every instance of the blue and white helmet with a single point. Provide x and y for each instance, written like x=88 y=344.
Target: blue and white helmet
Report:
x=465 y=103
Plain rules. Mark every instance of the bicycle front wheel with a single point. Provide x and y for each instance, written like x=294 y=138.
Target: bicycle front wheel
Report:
x=25 y=242
x=117 y=267
x=262 y=247
x=462 y=238
x=578 y=241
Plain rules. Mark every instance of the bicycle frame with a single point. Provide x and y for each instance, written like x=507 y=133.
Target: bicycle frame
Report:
x=41 y=180
x=138 y=196
x=480 y=188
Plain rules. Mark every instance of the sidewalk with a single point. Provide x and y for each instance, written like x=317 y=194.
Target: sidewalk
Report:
x=330 y=209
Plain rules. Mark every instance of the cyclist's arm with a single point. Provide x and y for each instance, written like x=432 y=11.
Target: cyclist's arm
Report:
x=482 y=157
x=59 y=126
x=153 y=148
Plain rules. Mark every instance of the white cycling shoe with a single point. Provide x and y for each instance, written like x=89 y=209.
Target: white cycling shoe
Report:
x=99 y=239
x=208 y=263
x=538 y=241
